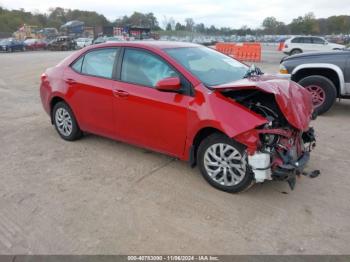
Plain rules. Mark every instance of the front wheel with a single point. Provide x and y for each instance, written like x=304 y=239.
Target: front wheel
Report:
x=65 y=122
x=224 y=164
x=322 y=90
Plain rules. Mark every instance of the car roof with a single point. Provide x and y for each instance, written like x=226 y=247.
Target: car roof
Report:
x=149 y=44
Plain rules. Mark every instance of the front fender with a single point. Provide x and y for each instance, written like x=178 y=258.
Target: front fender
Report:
x=221 y=113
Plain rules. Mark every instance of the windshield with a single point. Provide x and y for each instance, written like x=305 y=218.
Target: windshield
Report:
x=210 y=66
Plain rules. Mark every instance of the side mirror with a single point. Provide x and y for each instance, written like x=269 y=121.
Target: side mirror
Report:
x=326 y=42
x=169 y=84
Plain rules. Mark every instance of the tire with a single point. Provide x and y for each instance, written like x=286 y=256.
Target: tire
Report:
x=65 y=122
x=243 y=174
x=295 y=52
x=320 y=86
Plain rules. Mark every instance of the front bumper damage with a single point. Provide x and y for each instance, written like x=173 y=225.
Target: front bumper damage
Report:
x=286 y=160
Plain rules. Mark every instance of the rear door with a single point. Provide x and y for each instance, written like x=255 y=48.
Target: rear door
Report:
x=90 y=93
x=144 y=115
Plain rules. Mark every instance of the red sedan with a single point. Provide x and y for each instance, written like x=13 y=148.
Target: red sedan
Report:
x=35 y=44
x=188 y=101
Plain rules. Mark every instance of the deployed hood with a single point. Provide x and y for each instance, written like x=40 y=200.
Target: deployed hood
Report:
x=293 y=100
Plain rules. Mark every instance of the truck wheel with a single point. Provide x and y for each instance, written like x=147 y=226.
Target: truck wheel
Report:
x=322 y=90
x=224 y=164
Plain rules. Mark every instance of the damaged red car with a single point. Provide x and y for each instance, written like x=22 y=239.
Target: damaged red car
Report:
x=188 y=101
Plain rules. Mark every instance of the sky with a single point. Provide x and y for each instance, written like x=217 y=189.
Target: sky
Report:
x=220 y=13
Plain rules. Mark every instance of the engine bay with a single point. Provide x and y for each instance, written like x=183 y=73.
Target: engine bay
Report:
x=281 y=151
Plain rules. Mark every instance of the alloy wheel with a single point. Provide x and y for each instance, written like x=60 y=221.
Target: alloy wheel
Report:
x=63 y=121
x=224 y=164
x=317 y=93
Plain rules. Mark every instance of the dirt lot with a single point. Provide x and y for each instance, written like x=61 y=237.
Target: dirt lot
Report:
x=97 y=196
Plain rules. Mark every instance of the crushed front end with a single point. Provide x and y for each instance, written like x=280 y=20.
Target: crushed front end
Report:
x=279 y=149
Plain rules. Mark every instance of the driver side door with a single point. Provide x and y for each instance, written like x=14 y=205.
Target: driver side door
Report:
x=144 y=115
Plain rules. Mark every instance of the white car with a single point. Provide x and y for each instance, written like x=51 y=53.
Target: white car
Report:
x=82 y=42
x=302 y=44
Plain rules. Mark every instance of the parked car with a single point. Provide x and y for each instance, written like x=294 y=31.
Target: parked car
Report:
x=100 y=40
x=187 y=101
x=82 y=42
x=115 y=39
x=62 y=43
x=11 y=45
x=104 y=39
x=302 y=44
x=35 y=44
x=326 y=75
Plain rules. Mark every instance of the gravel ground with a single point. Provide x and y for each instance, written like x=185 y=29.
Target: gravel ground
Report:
x=97 y=196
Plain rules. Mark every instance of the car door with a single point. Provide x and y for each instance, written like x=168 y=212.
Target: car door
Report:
x=90 y=92
x=144 y=115
x=306 y=44
x=319 y=44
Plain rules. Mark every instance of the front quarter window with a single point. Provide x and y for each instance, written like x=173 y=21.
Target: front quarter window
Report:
x=209 y=66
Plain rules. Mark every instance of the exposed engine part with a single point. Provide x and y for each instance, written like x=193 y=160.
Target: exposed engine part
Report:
x=261 y=166
x=281 y=151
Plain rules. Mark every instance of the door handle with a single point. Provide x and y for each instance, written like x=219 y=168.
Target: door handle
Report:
x=120 y=93
x=70 y=81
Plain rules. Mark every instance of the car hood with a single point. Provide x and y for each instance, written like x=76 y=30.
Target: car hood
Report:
x=292 y=99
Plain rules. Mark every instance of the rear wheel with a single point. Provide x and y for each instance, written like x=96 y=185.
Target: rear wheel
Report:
x=65 y=122
x=295 y=52
x=224 y=164
x=322 y=90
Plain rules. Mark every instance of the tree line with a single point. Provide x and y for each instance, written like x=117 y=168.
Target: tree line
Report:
x=11 y=20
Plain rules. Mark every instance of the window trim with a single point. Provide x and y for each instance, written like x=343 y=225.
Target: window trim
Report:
x=118 y=49
x=188 y=89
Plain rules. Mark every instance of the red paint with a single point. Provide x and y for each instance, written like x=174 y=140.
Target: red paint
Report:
x=169 y=84
x=293 y=100
x=165 y=121
x=35 y=45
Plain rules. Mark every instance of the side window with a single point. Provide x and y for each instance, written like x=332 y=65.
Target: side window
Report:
x=317 y=40
x=296 y=40
x=99 y=62
x=307 y=40
x=143 y=68
x=77 y=64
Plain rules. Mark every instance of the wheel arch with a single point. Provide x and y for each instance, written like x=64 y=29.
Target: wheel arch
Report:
x=296 y=48
x=198 y=138
x=54 y=100
x=330 y=71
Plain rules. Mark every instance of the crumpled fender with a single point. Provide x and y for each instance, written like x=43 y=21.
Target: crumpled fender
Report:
x=294 y=101
x=223 y=114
